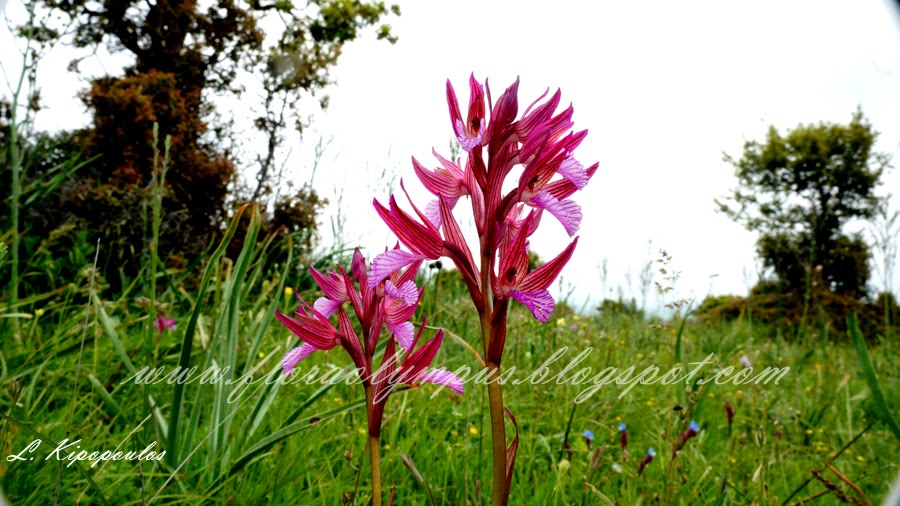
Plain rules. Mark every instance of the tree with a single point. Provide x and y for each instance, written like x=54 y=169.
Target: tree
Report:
x=798 y=191
x=186 y=55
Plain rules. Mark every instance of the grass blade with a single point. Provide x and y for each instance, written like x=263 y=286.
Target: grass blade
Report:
x=112 y=407
x=187 y=342
x=277 y=436
x=865 y=363
x=107 y=326
x=76 y=465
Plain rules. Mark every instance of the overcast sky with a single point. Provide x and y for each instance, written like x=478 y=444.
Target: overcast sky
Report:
x=663 y=88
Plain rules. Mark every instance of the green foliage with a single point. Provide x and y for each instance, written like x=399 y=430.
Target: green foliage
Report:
x=721 y=308
x=185 y=57
x=810 y=181
x=300 y=443
x=798 y=191
x=865 y=364
x=610 y=307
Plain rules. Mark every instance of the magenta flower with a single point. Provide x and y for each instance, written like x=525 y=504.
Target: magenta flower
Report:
x=389 y=303
x=334 y=288
x=529 y=288
x=386 y=302
x=425 y=242
x=449 y=182
x=317 y=333
x=413 y=369
x=163 y=323
x=469 y=134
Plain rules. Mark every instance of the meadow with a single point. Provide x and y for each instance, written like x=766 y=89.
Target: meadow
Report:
x=814 y=437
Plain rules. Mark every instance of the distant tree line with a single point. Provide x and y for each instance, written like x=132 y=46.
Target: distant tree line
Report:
x=798 y=191
x=185 y=55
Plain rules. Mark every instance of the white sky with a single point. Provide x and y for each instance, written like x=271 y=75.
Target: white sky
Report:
x=662 y=88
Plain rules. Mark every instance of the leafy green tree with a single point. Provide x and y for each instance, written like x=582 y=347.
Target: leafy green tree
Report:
x=798 y=190
x=186 y=56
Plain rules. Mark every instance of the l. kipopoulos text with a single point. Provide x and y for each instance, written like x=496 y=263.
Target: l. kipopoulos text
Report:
x=72 y=452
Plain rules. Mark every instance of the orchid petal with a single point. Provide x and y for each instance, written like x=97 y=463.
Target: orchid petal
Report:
x=293 y=357
x=332 y=285
x=540 y=303
x=433 y=213
x=311 y=329
x=542 y=277
x=390 y=262
x=445 y=378
x=358 y=267
x=573 y=170
x=563 y=188
x=326 y=306
x=407 y=292
x=351 y=342
x=403 y=332
x=446 y=181
x=418 y=361
x=466 y=142
x=568 y=212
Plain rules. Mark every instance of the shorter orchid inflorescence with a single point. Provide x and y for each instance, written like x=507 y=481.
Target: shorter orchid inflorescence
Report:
x=387 y=304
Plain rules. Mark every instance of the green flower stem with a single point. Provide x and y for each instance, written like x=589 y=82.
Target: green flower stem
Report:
x=374 y=450
x=495 y=391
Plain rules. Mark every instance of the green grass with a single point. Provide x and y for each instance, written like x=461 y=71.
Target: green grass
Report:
x=781 y=432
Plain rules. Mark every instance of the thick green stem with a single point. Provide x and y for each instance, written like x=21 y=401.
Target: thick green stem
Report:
x=375 y=456
x=495 y=390
x=374 y=450
x=498 y=433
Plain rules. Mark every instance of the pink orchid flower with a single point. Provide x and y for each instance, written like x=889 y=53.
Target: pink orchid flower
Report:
x=163 y=323
x=413 y=369
x=388 y=301
x=469 y=134
x=542 y=143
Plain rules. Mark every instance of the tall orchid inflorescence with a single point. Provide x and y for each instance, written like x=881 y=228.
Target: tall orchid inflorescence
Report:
x=534 y=156
x=388 y=303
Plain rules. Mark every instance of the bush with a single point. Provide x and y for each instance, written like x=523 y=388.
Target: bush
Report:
x=721 y=308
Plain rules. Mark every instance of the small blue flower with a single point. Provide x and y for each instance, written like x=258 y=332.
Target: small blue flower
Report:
x=588 y=435
x=621 y=426
x=694 y=427
x=651 y=452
